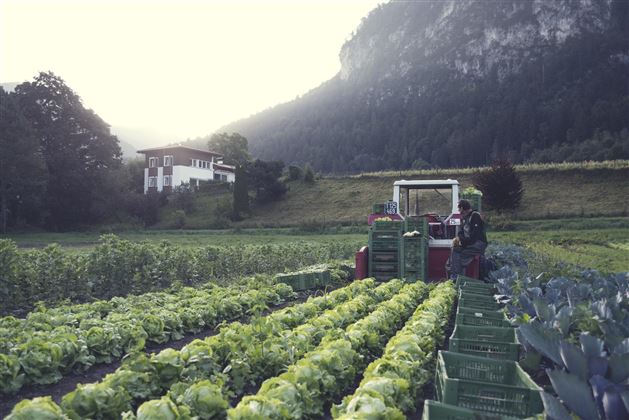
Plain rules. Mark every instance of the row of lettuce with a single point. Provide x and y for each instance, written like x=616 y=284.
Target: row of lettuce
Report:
x=321 y=346
x=50 y=343
x=117 y=267
x=574 y=323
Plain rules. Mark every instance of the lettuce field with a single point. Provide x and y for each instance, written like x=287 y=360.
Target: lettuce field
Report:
x=159 y=331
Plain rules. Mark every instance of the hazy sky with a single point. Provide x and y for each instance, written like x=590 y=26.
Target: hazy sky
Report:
x=178 y=69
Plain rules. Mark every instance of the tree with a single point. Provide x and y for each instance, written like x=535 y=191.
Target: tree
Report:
x=183 y=197
x=308 y=174
x=22 y=170
x=501 y=185
x=76 y=145
x=241 y=195
x=233 y=147
x=294 y=172
x=264 y=176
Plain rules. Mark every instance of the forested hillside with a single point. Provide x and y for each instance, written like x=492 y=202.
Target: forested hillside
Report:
x=459 y=83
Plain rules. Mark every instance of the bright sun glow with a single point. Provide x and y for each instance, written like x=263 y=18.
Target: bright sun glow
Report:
x=177 y=69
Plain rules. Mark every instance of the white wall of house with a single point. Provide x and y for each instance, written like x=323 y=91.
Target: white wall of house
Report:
x=184 y=173
x=231 y=177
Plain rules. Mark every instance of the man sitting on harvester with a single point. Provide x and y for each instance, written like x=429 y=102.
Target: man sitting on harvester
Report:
x=471 y=240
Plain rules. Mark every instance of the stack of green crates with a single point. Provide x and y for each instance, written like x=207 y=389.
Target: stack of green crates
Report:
x=479 y=377
x=305 y=280
x=414 y=250
x=384 y=244
x=413 y=258
x=499 y=387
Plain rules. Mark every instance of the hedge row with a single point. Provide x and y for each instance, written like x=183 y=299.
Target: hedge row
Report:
x=117 y=267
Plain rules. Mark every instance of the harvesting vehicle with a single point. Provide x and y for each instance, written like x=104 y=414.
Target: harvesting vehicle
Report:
x=410 y=236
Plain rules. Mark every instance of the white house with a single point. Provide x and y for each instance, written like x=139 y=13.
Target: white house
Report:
x=170 y=166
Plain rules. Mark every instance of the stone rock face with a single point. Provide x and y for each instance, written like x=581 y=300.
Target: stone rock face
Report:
x=459 y=83
x=471 y=37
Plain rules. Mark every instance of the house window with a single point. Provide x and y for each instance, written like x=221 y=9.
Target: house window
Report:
x=194 y=162
x=152 y=182
x=223 y=177
x=167 y=180
x=168 y=161
x=217 y=177
x=153 y=162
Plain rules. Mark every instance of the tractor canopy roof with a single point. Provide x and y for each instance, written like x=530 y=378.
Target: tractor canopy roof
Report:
x=426 y=183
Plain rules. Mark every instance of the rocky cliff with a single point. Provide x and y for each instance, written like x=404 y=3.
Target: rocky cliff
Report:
x=460 y=82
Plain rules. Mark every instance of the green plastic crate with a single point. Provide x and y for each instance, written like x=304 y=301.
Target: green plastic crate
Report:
x=380 y=235
x=305 y=280
x=478 y=289
x=416 y=223
x=383 y=246
x=478 y=317
x=414 y=275
x=385 y=266
x=483 y=341
x=387 y=225
x=460 y=279
x=383 y=256
x=475 y=300
x=378 y=208
x=435 y=410
x=488 y=385
x=384 y=276
x=323 y=278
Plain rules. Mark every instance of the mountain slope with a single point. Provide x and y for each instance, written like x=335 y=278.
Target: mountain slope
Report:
x=458 y=83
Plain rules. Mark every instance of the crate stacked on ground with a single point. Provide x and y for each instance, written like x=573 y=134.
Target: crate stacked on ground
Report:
x=479 y=377
x=306 y=279
x=479 y=329
x=384 y=249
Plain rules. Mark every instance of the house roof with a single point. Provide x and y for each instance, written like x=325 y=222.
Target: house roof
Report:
x=227 y=168
x=152 y=149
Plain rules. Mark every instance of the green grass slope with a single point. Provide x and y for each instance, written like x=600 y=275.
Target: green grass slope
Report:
x=550 y=191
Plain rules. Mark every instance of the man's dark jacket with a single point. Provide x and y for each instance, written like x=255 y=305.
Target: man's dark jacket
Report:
x=472 y=229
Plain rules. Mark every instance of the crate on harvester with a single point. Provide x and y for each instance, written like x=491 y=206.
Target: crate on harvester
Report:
x=413 y=258
x=487 y=385
x=384 y=247
x=483 y=341
x=394 y=225
x=416 y=223
x=475 y=199
x=384 y=240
